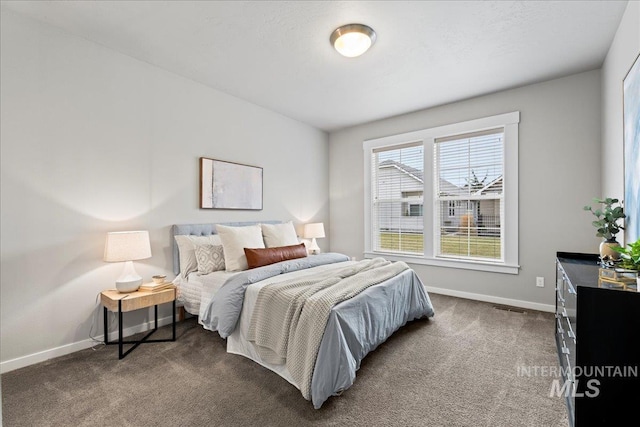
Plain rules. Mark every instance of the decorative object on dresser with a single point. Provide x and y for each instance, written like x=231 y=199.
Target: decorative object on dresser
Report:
x=117 y=302
x=227 y=185
x=630 y=255
x=630 y=258
x=607 y=225
x=127 y=246
x=314 y=231
x=596 y=335
x=631 y=131
x=617 y=278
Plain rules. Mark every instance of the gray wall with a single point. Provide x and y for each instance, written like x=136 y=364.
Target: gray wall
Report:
x=95 y=141
x=624 y=50
x=559 y=172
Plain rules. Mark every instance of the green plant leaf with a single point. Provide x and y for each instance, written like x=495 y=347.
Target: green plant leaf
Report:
x=607 y=217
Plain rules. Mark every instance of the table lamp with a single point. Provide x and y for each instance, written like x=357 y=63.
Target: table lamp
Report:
x=127 y=246
x=313 y=231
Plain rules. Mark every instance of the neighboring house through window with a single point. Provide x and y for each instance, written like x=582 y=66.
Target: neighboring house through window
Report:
x=467 y=173
x=412 y=207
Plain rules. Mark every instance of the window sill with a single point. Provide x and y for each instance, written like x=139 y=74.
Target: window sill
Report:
x=439 y=262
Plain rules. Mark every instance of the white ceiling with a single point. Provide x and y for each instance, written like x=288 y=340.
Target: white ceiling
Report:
x=277 y=54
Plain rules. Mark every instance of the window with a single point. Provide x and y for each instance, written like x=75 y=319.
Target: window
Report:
x=469 y=171
x=415 y=210
x=445 y=196
x=397 y=181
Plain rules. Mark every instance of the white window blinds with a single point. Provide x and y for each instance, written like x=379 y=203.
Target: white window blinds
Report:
x=469 y=206
x=397 y=177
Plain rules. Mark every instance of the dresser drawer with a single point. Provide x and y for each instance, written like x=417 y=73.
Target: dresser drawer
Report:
x=559 y=326
x=570 y=304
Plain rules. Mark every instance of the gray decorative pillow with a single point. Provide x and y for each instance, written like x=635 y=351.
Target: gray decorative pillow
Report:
x=187 y=251
x=210 y=258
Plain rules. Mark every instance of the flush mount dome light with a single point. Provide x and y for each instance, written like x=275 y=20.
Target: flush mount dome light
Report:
x=353 y=40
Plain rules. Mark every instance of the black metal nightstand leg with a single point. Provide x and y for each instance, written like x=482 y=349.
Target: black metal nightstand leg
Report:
x=121 y=341
x=106 y=331
x=174 y=320
x=120 y=355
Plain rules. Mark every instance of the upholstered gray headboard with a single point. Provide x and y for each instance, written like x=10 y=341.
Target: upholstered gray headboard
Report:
x=201 y=230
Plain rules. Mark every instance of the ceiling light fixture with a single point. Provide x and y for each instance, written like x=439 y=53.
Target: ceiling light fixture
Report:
x=353 y=40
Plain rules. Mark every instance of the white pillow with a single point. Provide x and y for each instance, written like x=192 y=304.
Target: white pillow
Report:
x=276 y=235
x=187 y=251
x=234 y=240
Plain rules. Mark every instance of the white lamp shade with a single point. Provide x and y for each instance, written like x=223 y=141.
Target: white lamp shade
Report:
x=315 y=230
x=127 y=246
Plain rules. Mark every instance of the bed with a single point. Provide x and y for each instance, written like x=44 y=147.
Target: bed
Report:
x=310 y=319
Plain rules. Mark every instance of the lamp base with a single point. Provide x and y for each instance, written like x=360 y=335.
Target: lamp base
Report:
x=129 y=280
x=132 y=286
x=314 y=249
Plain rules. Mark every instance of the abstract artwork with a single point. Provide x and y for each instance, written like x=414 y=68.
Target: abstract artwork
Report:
x=226 y=185
x=631 y=102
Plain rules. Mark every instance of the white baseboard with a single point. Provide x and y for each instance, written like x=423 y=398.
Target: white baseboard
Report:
x=496 y=300
x=32 y=359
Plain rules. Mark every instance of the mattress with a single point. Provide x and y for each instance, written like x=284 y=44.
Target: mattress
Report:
x=196 y=288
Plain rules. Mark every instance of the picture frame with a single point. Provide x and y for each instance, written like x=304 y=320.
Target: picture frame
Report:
x=631 y=137
x=228 y=185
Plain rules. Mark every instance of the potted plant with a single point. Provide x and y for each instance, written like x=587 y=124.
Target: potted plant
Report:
x=607 y=225
x=630 y=257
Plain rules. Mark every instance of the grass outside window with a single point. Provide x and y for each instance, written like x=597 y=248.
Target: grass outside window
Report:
x=451 y=244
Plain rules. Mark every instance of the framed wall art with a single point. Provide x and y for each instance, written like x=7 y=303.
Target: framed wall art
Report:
x=631 y=126
x=227 y=185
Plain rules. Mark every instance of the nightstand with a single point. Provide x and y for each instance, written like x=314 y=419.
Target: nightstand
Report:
x=115 y=301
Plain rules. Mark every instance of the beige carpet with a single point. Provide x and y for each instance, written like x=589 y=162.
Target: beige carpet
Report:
x=457 y=369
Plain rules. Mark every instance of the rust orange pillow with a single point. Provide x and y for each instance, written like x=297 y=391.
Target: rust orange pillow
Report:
x=261 y=257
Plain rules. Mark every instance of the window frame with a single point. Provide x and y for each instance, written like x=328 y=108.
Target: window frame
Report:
x=510 y=123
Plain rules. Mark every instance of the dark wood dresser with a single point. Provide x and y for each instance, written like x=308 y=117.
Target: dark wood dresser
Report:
x=598 y=338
